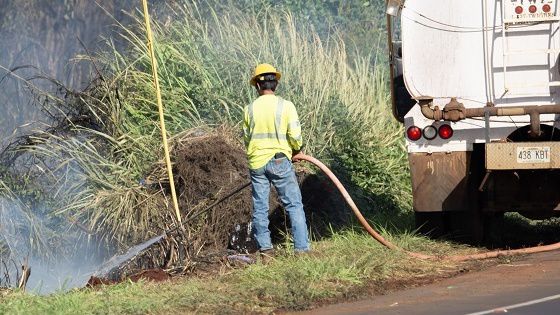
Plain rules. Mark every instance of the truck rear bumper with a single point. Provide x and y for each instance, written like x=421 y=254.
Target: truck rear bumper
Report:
x=523 y=155
x=459 y=181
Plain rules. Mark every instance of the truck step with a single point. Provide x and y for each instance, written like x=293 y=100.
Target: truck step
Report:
x=533 y=85
x=531 y=52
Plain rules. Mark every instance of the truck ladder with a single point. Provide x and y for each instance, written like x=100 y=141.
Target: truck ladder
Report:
x=507 y=28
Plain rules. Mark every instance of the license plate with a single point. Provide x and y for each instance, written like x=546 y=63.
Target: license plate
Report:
x=533 y=154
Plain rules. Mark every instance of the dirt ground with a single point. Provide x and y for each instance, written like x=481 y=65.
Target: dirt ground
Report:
x=155 y=275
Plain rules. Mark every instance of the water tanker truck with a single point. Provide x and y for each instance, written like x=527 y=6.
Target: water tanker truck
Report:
x=477 y=86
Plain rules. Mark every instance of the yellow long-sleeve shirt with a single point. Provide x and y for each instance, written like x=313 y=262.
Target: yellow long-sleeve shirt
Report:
x=270 y=125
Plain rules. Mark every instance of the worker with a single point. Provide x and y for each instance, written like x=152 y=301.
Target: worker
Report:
x=272 y=135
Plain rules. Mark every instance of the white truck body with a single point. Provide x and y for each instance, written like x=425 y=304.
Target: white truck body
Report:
x=490 y=71
x=472 y=51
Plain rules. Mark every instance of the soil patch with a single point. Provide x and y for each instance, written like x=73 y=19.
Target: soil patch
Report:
x=96 y=281
x=155 y=275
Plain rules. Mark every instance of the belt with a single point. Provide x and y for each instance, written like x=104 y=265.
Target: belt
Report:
x=280 y=155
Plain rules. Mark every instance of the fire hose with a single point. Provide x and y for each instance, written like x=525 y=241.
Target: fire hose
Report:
x=371 y=231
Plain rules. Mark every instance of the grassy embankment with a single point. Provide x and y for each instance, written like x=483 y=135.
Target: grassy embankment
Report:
x=205 y=63
x=349 y=263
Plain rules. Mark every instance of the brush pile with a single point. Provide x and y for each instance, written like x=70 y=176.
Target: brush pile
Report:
x=208 y=166
x=78 y=184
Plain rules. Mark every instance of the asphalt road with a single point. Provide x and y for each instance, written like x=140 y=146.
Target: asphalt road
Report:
x=529 y=286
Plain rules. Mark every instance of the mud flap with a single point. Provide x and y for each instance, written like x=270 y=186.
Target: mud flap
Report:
x=445 y=199
x=440 y=181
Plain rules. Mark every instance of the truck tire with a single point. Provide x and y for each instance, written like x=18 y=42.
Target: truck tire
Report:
x=431 y=224
x=460 y=226
x=465 y=226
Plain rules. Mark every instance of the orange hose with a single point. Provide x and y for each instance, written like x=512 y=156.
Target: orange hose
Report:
x=349 y=201
x=384 y=242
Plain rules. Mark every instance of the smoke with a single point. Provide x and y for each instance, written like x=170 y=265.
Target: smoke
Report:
x=13 y=222
x=40 y=181
x=60 y=257
x=40 y=46
x=42 y=38
x=40 y=43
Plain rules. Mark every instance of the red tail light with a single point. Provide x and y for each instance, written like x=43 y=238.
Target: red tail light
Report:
x=519 y=9
x=533 y=9
x=413 y=133
x=546 y=8
x=445 y=131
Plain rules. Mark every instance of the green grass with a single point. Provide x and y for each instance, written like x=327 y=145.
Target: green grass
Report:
x=344 y=266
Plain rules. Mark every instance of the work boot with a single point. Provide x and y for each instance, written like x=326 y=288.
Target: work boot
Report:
x=267 y=255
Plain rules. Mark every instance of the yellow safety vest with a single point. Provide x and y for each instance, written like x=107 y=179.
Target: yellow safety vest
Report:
x=270 y=125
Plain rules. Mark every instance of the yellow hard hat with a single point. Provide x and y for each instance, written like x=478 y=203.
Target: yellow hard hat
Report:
x=262 y=69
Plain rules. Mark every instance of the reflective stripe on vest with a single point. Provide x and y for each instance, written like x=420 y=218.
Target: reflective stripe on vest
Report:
x=251 y=121
x=269 y=136
x=294 y=124
x=278 y=121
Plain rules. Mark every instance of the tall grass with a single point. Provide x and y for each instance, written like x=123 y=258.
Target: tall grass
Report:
x=205 y=63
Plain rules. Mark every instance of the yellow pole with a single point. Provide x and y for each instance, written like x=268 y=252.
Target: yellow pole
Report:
x=160 y=106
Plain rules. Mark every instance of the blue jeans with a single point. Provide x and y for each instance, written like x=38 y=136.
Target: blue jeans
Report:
x=281 y=174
